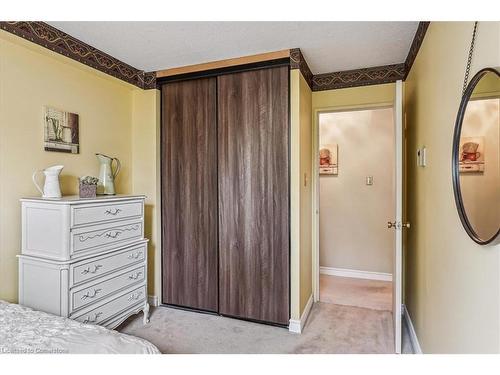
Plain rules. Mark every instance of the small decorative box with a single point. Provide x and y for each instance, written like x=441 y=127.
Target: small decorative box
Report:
x=87 y=191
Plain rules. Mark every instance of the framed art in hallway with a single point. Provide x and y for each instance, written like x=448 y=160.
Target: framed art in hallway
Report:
x=61 y=131
x=328 y=160
x=471 y=155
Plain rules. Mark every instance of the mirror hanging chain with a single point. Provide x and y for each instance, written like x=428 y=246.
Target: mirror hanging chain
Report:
x=469 y=59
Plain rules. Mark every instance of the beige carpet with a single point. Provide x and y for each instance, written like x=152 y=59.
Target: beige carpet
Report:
x=370 y=294
x=330 y=329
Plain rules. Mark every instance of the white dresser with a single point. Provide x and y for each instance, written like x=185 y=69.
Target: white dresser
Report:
x=85 y=259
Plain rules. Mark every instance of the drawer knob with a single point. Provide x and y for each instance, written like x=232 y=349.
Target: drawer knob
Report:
x=88 y=270
x=91 y=319
x=113 y=213
x=135 y=256
x=90 y=294
x=134 y=296
x=135 y=276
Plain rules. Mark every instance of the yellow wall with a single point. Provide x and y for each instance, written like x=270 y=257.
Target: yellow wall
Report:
x=452 y=284
x=31 y=77
x=145 y=171
x=354 y=97
x=305 y=115
x=300 y=194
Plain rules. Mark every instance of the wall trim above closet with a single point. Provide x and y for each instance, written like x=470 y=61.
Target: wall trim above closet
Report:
x=226 y=63
x=215 y=69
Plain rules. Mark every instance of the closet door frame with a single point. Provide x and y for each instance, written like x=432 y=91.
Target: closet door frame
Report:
x=215 y=73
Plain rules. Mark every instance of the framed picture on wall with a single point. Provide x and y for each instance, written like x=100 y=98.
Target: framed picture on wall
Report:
x=328 y=160
x=61 y=131
x=471 y=155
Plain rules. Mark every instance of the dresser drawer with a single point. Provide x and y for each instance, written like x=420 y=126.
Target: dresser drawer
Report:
x=113 y=307
x=101 y=213
x=96 y=267
x=105 y=287
x=103 y=237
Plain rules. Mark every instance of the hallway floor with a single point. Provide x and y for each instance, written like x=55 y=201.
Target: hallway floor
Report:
x=369 y=294
x=348 y=291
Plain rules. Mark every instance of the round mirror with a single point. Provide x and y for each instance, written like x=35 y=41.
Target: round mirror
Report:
x=476 y=158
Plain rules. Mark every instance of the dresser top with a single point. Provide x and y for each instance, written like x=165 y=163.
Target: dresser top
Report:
x=75 y=199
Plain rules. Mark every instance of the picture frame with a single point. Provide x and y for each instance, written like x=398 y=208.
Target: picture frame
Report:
x=328 y=160
x=471 y=155
x=61 y=130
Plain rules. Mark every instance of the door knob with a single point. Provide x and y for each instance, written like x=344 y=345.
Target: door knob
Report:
x=397 y=225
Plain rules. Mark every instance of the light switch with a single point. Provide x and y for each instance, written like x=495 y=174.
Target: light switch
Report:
x=369 y=180
x=421 y=157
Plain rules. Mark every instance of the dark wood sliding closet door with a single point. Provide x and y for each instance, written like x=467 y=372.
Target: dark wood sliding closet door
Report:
x=189 y=194
x=253 y=180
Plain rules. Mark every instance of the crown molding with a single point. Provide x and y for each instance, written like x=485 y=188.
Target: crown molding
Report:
x=58 y=41
x=297 y=61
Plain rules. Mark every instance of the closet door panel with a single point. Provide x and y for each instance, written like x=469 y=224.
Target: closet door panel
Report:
x=189 y=194
x=253 y=175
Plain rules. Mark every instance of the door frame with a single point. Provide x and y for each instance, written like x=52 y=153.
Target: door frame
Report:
x=399 y=184
x=315 y=179
x=400 y=160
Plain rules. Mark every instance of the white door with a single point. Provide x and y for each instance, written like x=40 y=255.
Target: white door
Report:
x=397 y=223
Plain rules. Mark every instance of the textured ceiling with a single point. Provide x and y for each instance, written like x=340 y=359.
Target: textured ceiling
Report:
x=327 y=46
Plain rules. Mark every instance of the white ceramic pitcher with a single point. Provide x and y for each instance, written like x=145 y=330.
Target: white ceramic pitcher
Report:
x=51 y=187
x=107 y=175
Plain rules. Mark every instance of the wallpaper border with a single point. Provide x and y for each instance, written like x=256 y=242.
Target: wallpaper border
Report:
x=297 y=61
x=58 y=41
x=415 y=45
x=359 y=77
x=375 y=75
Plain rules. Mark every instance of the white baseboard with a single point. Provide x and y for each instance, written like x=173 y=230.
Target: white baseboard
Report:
x=296 y=326
x=345 y=272
x=411 y=330
x=153 y=301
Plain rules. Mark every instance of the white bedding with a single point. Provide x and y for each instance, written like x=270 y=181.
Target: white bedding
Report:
x=23 y=330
